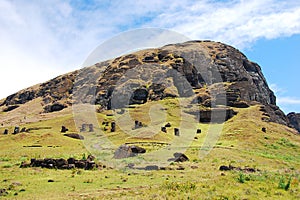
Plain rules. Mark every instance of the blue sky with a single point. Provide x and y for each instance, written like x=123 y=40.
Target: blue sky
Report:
x=41 y=39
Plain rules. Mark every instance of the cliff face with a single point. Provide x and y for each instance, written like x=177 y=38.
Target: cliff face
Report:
x=206 y=69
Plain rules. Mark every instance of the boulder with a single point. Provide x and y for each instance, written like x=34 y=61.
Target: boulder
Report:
x=152 y=167
x=179 y=157
x=125 y=151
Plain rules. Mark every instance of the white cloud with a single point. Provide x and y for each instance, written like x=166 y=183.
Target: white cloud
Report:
x=41 y=39
x=288 y=101
x=276 y=89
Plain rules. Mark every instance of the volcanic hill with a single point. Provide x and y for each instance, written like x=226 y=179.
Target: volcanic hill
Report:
x=205 y=100
x=204 y=66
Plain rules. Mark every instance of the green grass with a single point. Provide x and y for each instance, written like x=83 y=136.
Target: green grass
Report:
x=275 y=153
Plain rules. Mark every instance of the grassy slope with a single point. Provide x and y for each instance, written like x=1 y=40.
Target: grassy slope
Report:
x=242 y=144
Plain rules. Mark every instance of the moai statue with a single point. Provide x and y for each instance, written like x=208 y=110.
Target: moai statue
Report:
x=63 y=129
x=113 y=127
x=5 y=132
x=83 y=128
x=164 y=129
x=16 y=130
x=176 y=131
x=91 y=128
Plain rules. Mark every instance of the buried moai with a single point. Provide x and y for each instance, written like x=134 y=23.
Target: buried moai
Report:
x=83 y=128
x=63 y=129
x=137 y=124
x=16 y=130
x=176 y=131
x=113 y=127
x=91 y=128
x=5 y=132
x=198 y=130
x=263 y=129
x=164 y=129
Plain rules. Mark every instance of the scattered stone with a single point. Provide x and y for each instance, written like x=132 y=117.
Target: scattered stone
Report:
x=5 y=132
x=74 y=135
x=3 y=192
x=61 y=163
x=63 y=129
x=176 y=131
x=24 y=165
x=180 y=168
x=225 y=168
x=229 y=168
x=50 y=181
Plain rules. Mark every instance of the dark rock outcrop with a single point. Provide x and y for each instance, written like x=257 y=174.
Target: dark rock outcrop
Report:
x=294 y=120
x=54 y=107
x=10 y=108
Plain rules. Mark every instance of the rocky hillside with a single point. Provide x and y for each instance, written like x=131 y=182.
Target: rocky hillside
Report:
x=208 y=71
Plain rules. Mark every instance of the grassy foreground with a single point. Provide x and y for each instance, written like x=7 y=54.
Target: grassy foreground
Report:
x=275 y=154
